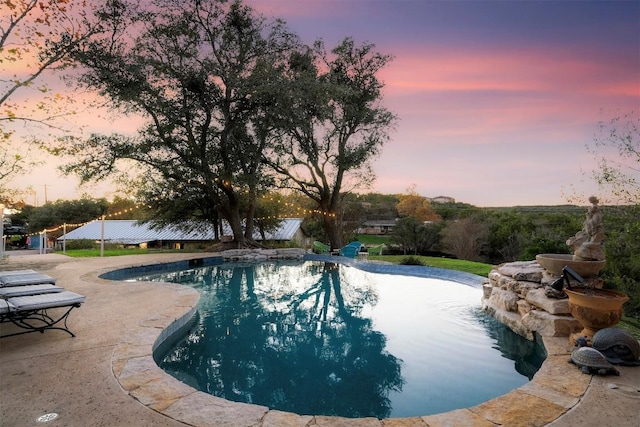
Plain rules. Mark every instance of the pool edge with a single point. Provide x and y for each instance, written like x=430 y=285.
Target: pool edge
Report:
x=551 y=393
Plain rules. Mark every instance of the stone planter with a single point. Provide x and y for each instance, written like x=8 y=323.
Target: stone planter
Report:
x=595 y=309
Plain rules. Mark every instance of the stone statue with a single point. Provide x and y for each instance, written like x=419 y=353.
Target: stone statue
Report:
x=587 y=243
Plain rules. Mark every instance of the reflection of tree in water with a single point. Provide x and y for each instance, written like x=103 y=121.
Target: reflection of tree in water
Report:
x=300 y=347
x=527 y=355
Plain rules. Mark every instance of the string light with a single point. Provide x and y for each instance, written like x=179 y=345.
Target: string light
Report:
x=80 y=224
x=298 y=213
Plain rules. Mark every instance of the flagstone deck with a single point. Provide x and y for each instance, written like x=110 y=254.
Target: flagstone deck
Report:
x=106 y=376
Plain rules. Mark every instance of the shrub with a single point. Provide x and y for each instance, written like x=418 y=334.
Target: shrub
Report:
x=542 y=245
x=80 y=244
x=411 y=260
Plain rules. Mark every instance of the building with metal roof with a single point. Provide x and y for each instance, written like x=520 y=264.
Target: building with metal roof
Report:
x=380 y=226
x=131 y=232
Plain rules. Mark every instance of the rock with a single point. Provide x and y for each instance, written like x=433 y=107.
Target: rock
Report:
x=552 y=292
x=486 y=290
x=530 y=271
x=505 y=282
x=538 y=298
x=505 y=300
x=523 y=307
x=512 y=320
x=285 y=419
x=522 y=287
x=510 y=284
x=548 y=278
x=550 y=325
x=594 y=282
x=516 y=295
x=290 y=253
x=197 y=409
x=259 y=255
x=494 y=277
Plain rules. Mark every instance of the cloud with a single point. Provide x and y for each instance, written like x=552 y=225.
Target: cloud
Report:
x=496 y=100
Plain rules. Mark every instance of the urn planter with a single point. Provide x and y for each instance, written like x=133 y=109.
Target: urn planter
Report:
x=554 y=263
x=595 y=309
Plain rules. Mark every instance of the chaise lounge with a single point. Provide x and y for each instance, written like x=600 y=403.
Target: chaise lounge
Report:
x=350 y=250
x=376 y=250
x=320 y=248
x=24 y=277
x=31 y=301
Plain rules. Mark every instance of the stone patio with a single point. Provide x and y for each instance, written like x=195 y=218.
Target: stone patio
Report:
x=106 y=376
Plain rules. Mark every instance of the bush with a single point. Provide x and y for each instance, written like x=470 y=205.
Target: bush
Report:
x=622 y=252
x=80 y=244
x=542 y=245
x=411 y=260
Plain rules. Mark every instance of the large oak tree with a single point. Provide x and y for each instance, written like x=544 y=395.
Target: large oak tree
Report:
x=333 y=125
x=201 y=73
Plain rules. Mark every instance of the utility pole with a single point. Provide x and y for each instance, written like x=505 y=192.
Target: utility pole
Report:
x=102 y=237
x=2 y=233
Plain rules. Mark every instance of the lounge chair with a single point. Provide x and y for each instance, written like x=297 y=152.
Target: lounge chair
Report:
x=320 y=248
x=6 y=273
x=31 y=312
x=27 y=299
x=26 y=290
x=350 y=250
x=24 y=277
x=376 y=250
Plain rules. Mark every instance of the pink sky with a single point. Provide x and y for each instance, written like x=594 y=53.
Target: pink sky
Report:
x=496 y=100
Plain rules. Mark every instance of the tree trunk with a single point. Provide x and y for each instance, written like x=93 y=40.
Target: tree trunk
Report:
x=236 y=228
x=217 y=225
x=250 y=225
x=333 y=232
x=232 y=214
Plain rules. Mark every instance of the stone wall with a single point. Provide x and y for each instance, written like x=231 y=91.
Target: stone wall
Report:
x=257 y=255
x=515 y=295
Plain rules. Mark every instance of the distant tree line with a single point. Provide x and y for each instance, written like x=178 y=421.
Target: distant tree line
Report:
x=499 y=235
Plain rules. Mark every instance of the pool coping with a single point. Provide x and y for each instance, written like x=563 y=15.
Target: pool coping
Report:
x=552 y=392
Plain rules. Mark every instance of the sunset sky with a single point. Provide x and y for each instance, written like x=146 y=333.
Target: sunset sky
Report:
x=496 y=100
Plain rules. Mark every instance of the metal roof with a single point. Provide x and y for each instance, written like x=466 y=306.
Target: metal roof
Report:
x=133 y=233
x=381 y=223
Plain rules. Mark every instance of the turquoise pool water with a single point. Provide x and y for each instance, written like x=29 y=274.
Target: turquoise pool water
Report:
x=327 y=339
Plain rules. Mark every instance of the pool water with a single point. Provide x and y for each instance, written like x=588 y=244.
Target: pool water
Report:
x=320 y=338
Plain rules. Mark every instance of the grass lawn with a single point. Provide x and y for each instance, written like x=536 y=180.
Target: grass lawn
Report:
x=478 y=268
x=472 y=267
x=87 y=253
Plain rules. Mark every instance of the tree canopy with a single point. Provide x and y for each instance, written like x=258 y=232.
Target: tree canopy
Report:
x=200 y=72
x=35 y=36
x=616 y=146
x=332 y=126
x=414 y=205
x=233 y=105
x=54 y=214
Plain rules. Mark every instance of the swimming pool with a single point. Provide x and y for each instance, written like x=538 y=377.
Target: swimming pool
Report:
x=328 y=339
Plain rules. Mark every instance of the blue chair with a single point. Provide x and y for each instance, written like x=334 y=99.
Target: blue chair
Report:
x=351 y=250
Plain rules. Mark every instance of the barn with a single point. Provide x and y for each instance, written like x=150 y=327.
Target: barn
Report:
x=133 y=233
